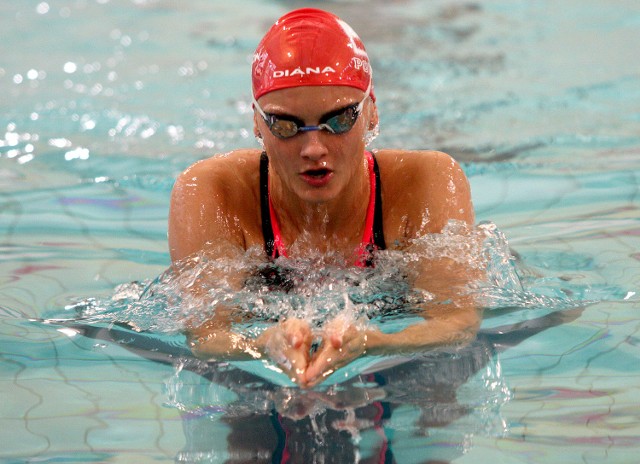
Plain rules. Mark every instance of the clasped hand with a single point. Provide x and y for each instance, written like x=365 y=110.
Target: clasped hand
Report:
x=289 y=345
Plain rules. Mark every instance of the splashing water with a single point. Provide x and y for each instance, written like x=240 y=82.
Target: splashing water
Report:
x=318 y=288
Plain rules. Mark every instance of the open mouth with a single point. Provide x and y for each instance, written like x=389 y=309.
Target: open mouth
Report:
x=317 y=177
x=316 y=173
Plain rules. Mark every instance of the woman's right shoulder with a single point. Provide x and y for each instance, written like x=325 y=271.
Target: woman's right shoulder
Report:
x=235 y=168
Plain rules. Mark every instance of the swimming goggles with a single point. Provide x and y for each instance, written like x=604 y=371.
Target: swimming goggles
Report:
x=336 y=122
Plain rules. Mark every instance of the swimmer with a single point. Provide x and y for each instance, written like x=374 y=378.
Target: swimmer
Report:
x=315 y=187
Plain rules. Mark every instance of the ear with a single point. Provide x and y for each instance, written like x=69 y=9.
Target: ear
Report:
x=373 y=115
x=256 y=131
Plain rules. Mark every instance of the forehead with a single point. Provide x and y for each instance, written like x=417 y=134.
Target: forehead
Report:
x=307 y=100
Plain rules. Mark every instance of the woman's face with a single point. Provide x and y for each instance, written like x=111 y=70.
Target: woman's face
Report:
x=315 y=166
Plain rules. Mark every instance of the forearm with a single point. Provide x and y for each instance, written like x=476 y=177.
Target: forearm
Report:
x=431 y=334
x=222 y=344
x=215 y=339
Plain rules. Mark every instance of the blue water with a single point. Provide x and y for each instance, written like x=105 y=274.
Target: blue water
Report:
x=103 y=103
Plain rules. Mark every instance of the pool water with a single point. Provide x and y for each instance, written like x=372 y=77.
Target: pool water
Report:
x=104 y=102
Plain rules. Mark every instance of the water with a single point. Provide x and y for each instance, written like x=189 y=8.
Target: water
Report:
x=104 y=102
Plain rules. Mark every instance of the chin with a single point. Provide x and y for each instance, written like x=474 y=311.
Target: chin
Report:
x=318 y=196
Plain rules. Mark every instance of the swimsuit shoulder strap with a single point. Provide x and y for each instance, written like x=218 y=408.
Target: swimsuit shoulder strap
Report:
x=373 y=237
x=267 y=229
x=378 y=233
x=273 y=245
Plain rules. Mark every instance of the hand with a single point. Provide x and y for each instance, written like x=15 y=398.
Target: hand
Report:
x=288 y=344
x=342 y=342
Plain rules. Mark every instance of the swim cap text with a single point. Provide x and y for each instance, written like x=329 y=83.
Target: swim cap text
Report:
x=303 y=72
x=359 y=63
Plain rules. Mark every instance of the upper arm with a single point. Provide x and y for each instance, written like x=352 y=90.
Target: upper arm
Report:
x=458 y=204
x=443 y=193
x=445 y=196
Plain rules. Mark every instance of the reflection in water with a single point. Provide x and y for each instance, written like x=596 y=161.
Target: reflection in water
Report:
x=350 y=422
x=232 y=413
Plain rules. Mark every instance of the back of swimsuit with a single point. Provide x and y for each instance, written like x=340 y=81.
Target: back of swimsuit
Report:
x=373 y=237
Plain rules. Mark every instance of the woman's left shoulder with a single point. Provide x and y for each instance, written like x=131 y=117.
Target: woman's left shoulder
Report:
x=425 y=189
x=417 y=162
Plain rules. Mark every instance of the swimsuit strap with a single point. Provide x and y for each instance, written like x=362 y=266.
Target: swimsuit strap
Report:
x=265 y=208
x=372 y=239
x=378 y=232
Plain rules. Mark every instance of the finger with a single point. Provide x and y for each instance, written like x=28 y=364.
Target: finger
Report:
x=297 y=333
x=336 y=340
x=340 y=336
x=321 y=365
x=336 y=330
x=298 y=366
x=281 y=349
x=293 y=364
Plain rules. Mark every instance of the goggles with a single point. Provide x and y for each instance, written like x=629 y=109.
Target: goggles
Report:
x=336 y=122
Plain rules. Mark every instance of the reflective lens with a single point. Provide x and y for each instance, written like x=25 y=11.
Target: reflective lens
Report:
x=344 y=121
x=282 y=128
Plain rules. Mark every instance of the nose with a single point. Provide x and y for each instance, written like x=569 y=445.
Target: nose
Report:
x=313 y=146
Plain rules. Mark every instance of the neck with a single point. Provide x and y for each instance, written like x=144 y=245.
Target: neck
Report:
x=332 y=225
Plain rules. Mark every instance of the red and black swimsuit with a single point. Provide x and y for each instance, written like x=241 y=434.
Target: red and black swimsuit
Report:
x=372 y=239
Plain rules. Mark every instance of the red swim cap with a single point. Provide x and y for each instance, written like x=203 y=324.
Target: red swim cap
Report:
x=310 y=47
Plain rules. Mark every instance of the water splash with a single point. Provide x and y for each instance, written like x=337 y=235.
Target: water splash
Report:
x=461 y=386
x=320 y=287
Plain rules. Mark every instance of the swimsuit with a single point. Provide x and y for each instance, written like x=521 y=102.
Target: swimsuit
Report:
x=373 y=237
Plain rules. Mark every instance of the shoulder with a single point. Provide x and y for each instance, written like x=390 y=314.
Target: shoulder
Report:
x=214 y=199
x=222 y=178
x=221 y=170
x=416 y=162
x=426 y=189
x=417 y=173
